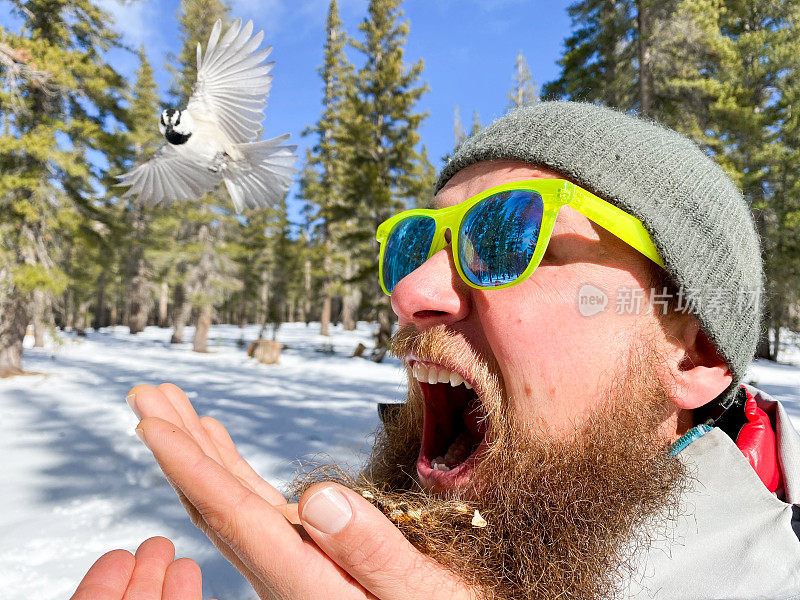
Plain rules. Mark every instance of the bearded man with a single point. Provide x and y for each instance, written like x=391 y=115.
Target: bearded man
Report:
x=577 y=309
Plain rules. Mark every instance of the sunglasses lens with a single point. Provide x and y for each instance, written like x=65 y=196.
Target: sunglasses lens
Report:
x=498 y=237
x=407 y=248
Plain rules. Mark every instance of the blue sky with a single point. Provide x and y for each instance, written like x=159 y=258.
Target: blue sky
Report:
x=468 y=47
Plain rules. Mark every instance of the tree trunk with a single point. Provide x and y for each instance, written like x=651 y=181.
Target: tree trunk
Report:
x=163 y=305
x=39 y=308
x=181 y=318
x=306 y=306
x=100 y=316
x=645 y=72
x=13 y=322
x=608 y=51
x=776 y=342
x=325 y=315
x=200 y=341
x=384 y=334
x=350 y=300
x=139 y=299
x=82 y=318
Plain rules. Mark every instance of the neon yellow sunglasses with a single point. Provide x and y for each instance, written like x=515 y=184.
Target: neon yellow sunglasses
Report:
x=500 y=235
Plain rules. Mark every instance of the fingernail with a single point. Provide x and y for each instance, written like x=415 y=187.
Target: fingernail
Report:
x=327 y=510
x=140 y=433
x=131 y=400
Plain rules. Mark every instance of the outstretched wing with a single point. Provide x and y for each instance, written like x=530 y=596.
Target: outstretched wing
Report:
x=170 y=176
x=233 y=81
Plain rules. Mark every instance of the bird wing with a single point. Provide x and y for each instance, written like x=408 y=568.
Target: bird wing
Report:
x=170 y=176
x=233 y=81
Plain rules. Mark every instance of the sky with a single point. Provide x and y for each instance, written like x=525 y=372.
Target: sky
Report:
x=468 y=48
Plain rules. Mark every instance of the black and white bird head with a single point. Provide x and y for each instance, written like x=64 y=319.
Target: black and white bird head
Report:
x=176 y=125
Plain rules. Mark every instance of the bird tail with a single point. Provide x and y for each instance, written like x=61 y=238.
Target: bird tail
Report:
x=263 y=175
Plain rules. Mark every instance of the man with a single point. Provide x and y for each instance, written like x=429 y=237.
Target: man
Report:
x=576 y=317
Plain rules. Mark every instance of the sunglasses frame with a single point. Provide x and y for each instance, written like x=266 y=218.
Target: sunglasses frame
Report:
x=555 y=194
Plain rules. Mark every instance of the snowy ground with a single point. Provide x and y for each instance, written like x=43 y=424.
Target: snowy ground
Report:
x=77 y=482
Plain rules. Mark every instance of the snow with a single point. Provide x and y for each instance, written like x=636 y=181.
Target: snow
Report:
x=77 y=482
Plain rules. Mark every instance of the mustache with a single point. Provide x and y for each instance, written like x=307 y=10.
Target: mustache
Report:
x=448 y=347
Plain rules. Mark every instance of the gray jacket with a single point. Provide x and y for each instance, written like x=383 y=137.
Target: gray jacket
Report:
x=733 y=538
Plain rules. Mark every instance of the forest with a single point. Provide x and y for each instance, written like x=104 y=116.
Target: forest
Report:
x=75 y=254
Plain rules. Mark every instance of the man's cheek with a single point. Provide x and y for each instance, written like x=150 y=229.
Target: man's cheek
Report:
x=555 y=363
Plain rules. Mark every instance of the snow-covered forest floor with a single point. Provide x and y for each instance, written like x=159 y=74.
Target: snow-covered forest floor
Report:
x=77 y=482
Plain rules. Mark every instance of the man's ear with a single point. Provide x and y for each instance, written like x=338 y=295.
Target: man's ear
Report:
x=700 y=373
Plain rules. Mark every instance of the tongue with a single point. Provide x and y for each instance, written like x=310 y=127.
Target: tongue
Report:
x=460 y=449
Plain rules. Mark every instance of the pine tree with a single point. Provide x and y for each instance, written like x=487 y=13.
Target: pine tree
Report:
x=144 y=140
x=476 y=123
x=597 y=65
x=54 y=85
x=459 y=135
x=322 y=183
x=384 y=166
x=524 y=91
x=725 y=74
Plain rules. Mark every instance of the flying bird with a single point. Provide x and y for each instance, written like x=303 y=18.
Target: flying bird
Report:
x=213 y=138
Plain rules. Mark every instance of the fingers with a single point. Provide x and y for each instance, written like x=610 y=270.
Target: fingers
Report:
x=153 y=556
x=256 y=532
x=183 y=581
x=107 y=578
x=236 y=464
x=191 y=421
x=361 y=540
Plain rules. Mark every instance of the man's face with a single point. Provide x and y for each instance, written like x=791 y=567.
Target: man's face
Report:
x=561 y=445
x=534 y=344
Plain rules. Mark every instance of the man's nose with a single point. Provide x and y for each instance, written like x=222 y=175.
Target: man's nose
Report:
x=433 y=294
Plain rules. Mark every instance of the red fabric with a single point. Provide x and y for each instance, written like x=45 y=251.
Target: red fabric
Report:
x=757 y=442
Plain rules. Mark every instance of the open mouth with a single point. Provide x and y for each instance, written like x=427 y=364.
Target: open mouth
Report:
x=454 y=430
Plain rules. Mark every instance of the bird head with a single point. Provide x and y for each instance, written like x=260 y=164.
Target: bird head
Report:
x=179 y=121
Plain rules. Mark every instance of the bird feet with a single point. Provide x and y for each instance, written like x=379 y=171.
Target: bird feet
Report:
x=219 y=162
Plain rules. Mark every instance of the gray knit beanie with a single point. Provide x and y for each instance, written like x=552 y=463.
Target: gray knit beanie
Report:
x=696 y=216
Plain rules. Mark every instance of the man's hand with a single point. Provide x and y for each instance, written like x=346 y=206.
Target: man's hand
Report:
x=332 y=545
x=150 y=574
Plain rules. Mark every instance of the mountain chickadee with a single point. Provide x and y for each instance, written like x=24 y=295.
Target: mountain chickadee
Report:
x=212 y=139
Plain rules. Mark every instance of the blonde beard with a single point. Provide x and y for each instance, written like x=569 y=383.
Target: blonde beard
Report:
x=563 y=516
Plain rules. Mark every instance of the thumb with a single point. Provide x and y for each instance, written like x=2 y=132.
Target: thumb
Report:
x=363 y=542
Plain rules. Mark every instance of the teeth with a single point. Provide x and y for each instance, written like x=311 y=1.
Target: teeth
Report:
x=437 y=375
x=456 y=379
x=438 y=464
x=420 y=372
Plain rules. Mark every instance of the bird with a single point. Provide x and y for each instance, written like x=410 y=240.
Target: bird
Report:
x=214 y=137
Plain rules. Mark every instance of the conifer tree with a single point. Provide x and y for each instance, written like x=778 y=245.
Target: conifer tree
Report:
x=144 y=140
x=524 y=91
x=596 y=65
x=459 y=135
x=322 y=183
x=724 y=73
x=384 y=166
x=476 y=123
x=54 y=85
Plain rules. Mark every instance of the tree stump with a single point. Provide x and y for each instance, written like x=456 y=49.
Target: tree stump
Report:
x=359 y=350
x=265 y=351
